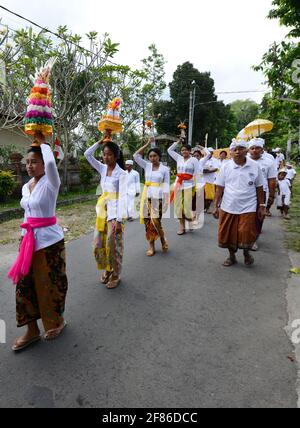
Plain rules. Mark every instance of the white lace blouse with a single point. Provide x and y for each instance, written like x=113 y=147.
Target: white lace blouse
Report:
x=117 y=183
x=161 y=176
x=41 y=203
x=191 y=166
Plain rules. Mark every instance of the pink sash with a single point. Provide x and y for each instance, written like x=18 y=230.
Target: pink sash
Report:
x=22 y=265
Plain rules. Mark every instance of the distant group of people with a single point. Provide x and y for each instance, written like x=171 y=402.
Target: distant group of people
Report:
x=241 y=184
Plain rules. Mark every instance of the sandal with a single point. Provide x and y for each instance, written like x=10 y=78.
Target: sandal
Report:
x=165 y=247
x=249 y=260
x=113 y=283
x=181 y=233
x=230 y=262
x=150 y=253
x=55 y=333
x=106 y=277
x=24 y=344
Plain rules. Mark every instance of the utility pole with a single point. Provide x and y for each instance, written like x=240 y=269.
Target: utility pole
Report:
x=192 y=111
x=144 y=120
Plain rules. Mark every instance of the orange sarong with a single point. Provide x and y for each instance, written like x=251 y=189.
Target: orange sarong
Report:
x=237 y=231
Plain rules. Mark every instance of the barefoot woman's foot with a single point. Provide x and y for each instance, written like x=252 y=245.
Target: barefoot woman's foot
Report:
x=54 y=334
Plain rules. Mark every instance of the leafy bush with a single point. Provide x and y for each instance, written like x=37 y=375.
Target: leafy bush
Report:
x=85 y=172
x=7 y=185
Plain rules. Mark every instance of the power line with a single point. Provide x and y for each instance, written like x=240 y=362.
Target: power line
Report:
x=242 y=92
x=46 y=30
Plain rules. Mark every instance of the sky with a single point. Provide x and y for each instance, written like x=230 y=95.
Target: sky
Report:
x=224 y=37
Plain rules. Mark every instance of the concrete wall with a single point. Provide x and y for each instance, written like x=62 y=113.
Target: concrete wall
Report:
x=14 y=137
x=73 y=177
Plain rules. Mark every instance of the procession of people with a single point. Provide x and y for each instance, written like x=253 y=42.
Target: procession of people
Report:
x=239 y=186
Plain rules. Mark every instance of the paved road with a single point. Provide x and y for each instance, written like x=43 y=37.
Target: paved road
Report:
x=181 y=331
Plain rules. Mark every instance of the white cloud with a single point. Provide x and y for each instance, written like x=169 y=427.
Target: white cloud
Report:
x=224 y=37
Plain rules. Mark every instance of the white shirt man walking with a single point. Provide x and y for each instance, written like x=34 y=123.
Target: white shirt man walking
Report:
x=240 y=190
x=210 y=173
x=280 y=158
x=133 y=189
x=268 y=168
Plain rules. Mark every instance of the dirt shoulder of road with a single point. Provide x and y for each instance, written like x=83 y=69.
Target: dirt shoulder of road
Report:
x=76 y=220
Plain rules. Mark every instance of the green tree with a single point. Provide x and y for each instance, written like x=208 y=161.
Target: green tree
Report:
x=154 y=86
x=168 y=117
x=288 y=12
x=86 y=173
x=281 y=68
x=244 y=111
x=73 y=80
x=211 y=116
x=139 y=90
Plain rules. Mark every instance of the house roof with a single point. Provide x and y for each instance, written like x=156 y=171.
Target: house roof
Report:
x=165 y=137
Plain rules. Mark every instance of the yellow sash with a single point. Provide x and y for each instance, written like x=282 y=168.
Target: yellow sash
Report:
x=144 y=198
x=101 y=209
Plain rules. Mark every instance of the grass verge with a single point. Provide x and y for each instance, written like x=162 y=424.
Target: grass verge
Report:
x=293 y=226
x=15 y=203
x=76 y=220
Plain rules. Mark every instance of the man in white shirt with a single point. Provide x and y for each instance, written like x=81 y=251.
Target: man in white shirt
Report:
x=133 y=189
x=266 y=154
x=210 y=173
x=240 y=190
x=291 y=175
x=291 y=172
x=223 y=158
x=280 y=158
x=268 y=168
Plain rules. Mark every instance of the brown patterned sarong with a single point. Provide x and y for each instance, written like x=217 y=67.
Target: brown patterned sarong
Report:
x=42 y=293
x=153 y=217
x=237 y=231
x=109 y=249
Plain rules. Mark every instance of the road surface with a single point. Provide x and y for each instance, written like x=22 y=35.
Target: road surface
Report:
x=181 y=331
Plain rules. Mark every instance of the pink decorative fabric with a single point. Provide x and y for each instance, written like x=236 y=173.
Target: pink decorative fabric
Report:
x=22 y=265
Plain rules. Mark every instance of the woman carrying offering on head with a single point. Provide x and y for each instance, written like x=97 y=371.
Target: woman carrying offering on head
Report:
x=155 y=198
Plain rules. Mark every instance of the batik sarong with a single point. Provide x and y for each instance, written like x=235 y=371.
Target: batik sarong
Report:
x=108 y=245
x=237 y=231
x=42 y=293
